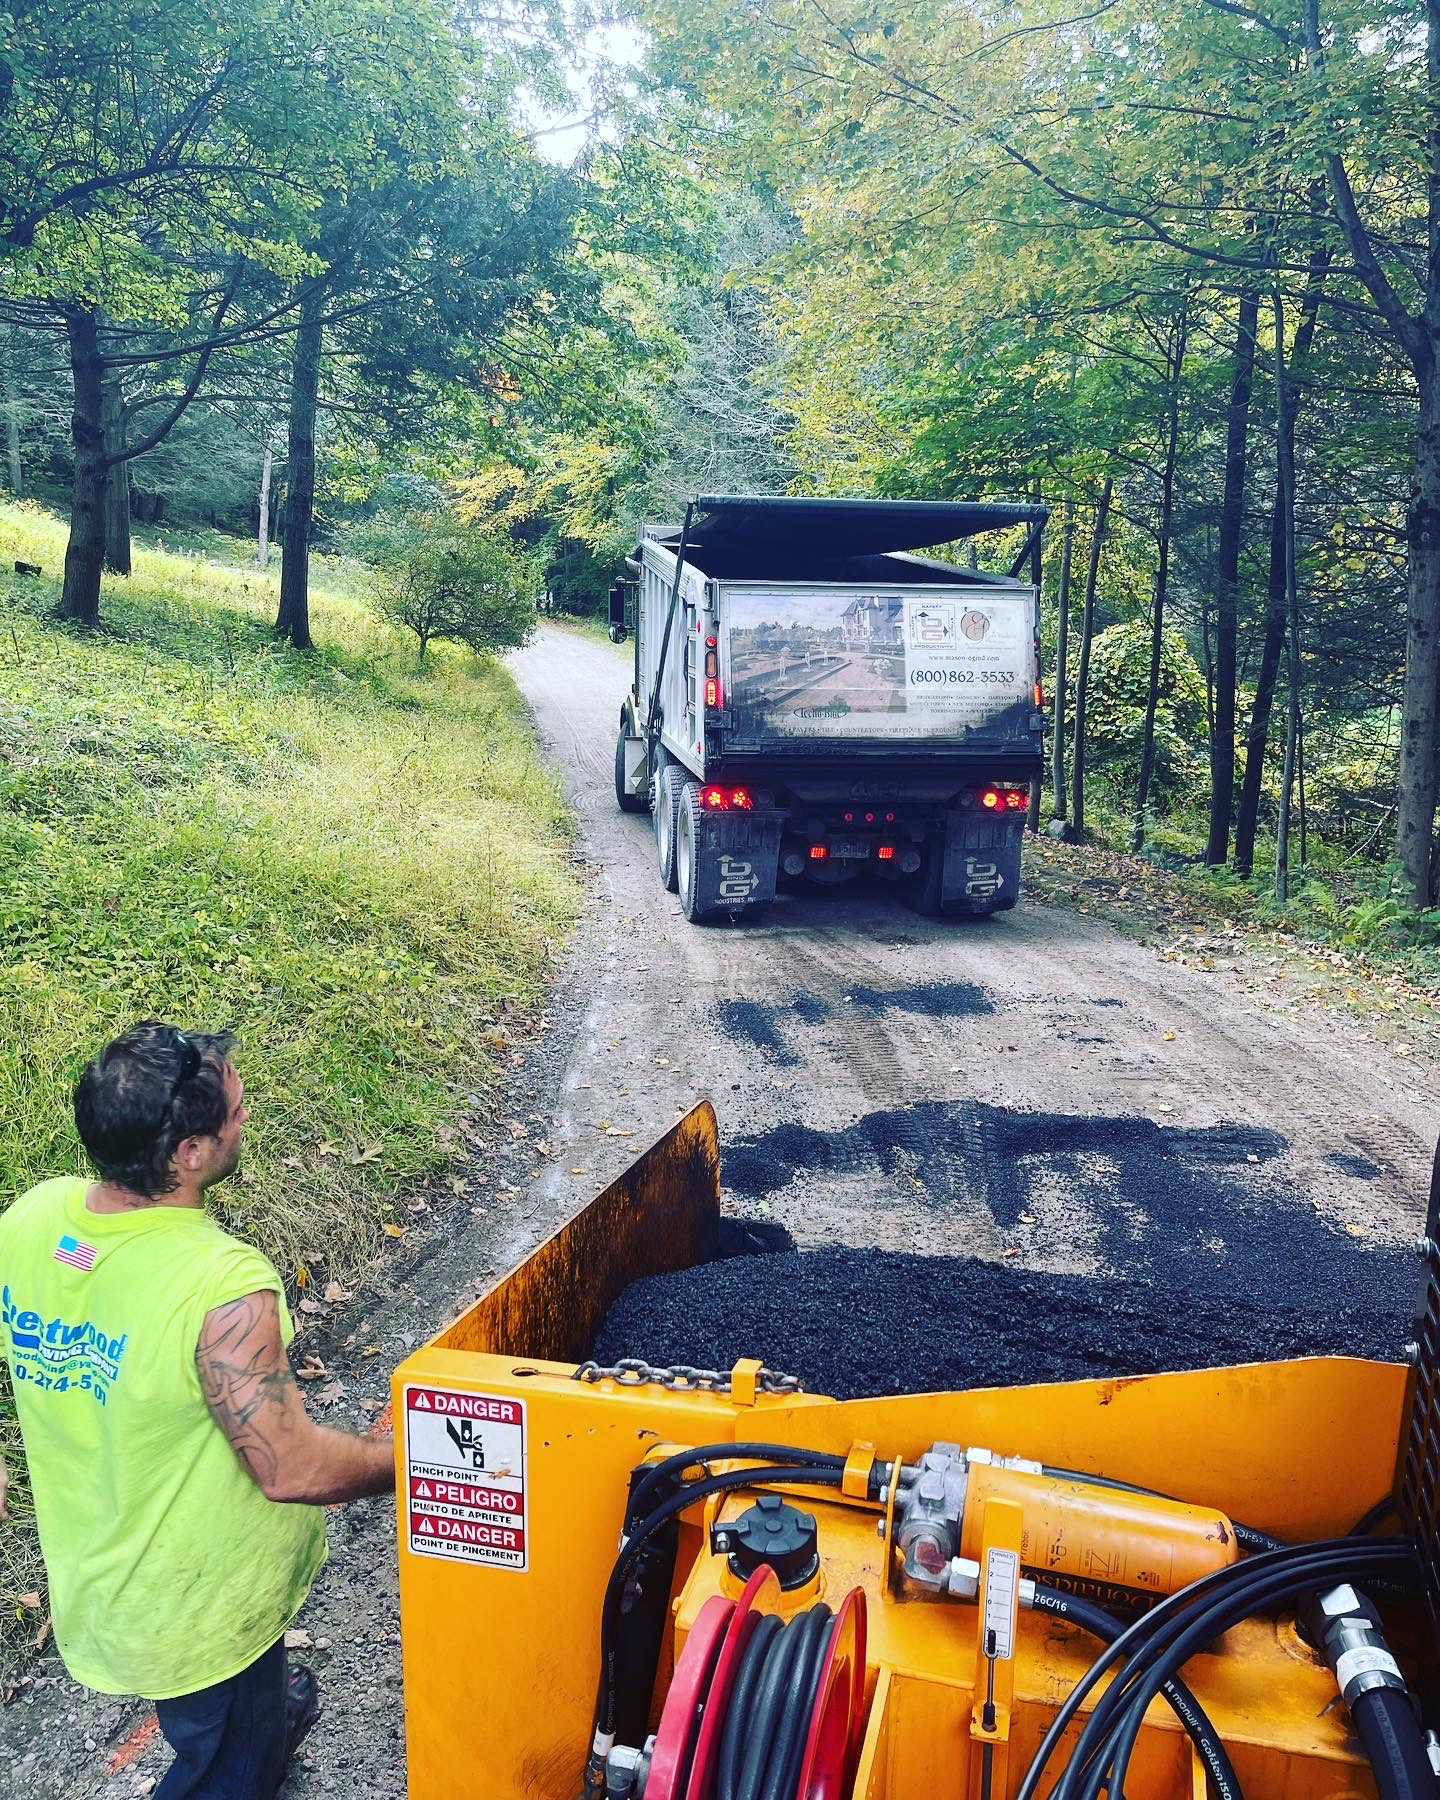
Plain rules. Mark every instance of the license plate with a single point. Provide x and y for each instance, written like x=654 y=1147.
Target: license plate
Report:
x=851 y=849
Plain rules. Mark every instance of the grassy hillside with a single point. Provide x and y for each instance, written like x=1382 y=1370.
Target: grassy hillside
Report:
x=361 y=871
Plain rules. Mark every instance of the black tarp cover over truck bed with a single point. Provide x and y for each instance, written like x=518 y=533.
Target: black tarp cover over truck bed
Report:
x=797 y=526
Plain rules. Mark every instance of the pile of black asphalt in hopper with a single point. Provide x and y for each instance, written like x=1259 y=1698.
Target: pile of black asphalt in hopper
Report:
x=854 y=1322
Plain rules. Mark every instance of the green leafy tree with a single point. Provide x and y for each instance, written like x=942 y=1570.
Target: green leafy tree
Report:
x=1120 y=700
x=159 y=156
x=443 y=580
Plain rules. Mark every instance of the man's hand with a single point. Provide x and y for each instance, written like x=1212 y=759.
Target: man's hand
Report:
x=254 y=1399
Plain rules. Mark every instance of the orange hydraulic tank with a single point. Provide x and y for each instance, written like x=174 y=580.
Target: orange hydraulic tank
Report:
x=1105 y=1544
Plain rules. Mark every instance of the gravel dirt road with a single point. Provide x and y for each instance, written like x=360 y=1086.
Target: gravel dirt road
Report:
x=1036 y=1090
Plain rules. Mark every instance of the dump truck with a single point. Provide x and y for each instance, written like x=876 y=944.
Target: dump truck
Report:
x=812 y=700
x=676 y=1583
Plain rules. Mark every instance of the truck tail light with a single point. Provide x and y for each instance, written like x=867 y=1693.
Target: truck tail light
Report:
x=818 y=853
x=990 y=799
x=712 y=692
x=712 y=799
x=740 y=799
x=886 y=853
x=1017 y=800
x=1039 y=696
x=720 y=799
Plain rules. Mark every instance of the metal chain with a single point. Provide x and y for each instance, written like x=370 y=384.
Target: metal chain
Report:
x=633 y=1371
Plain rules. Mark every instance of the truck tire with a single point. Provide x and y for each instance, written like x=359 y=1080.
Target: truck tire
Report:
x=668 y=790
x=927 y=885
x=631 y=803
x=687 y=862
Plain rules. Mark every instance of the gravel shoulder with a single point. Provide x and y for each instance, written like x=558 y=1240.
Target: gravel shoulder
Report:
x=1036 y=1090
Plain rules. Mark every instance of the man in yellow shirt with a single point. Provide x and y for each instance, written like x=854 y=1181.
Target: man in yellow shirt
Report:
x=178 y=1478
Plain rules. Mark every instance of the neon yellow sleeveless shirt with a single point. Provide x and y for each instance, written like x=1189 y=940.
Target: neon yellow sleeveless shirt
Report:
x=169 y=1569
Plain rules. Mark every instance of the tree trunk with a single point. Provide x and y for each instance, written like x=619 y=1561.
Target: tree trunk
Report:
x=1285 y=505
x=1162 y=577
x=1232 y=512
x=1257 y=736
x=12 y=432
x=1415 y=814
x=262 y=553
x=117 y=488
x=1062 y=645
x=293 y=620
x=80 y=592
x=1082 y=676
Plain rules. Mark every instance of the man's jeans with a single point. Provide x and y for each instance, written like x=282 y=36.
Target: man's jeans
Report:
x=229 y=1740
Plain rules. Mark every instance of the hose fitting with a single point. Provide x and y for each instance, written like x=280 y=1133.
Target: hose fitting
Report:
x=1346 y=1629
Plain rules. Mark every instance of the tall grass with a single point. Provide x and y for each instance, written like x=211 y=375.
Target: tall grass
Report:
x=362 y=870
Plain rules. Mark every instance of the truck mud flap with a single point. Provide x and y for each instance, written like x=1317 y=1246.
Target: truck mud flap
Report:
x=738 y=860
x=982 y=864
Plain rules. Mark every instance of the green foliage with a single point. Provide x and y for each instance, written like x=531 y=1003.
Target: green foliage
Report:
x=1119 y=686
x=356 y=869
x=444 y=580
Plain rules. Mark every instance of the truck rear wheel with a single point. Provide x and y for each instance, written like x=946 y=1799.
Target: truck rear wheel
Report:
x=925 y=887
x=687 y=860
x=668 y=790
x=627 y=802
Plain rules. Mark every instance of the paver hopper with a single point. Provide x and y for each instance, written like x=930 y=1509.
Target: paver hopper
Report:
x=658 y=1584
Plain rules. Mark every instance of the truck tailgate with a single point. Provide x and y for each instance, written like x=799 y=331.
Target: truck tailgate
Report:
x=835 y=667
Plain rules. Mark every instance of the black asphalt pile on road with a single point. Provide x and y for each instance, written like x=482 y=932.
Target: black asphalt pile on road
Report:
x=1181 y=1207
x=854 y=1322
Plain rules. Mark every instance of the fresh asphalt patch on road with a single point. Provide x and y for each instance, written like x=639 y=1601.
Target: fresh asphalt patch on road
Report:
x=1209 y=1257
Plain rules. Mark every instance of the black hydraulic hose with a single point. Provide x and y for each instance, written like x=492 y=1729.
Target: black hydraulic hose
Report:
x=1109 y=1736
x=657 y=1474
x=1186 y=1645
x=1388 y=1729
x=1136 y=1640
x=1183 y=1704
x=625 y=1562
x=767 y=1711
x=1347 y=1629
x=1250 y=1540
x=1373 y=1516
x=788 y=1750
x=742 y=1700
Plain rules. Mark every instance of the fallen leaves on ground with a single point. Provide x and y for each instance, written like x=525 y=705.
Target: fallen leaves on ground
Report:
x=311 y=1368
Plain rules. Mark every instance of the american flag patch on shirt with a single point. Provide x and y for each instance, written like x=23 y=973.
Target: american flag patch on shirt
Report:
x=71 y=1250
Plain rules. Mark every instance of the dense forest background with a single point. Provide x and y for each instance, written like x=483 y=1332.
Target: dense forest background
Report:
x=313 y=273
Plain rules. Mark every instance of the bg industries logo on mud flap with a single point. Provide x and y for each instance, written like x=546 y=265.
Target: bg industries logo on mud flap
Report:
x=738 y=880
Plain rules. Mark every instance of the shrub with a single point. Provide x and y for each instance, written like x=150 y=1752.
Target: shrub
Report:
x=441 y=579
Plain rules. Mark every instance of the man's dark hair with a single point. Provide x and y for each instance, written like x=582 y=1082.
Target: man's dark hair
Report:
x=146 y=1092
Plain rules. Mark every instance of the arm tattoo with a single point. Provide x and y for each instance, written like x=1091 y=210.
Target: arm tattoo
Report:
x=246 y=1379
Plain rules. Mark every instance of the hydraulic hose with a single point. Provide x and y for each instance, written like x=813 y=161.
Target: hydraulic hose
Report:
x=604 y=1734
x=1389 y=1731
x=1346 y=1628
x=656 y=1475
x=1187 y=1709
x=1103 y=1751
x=1251 y=1541
x=1256 y=1582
